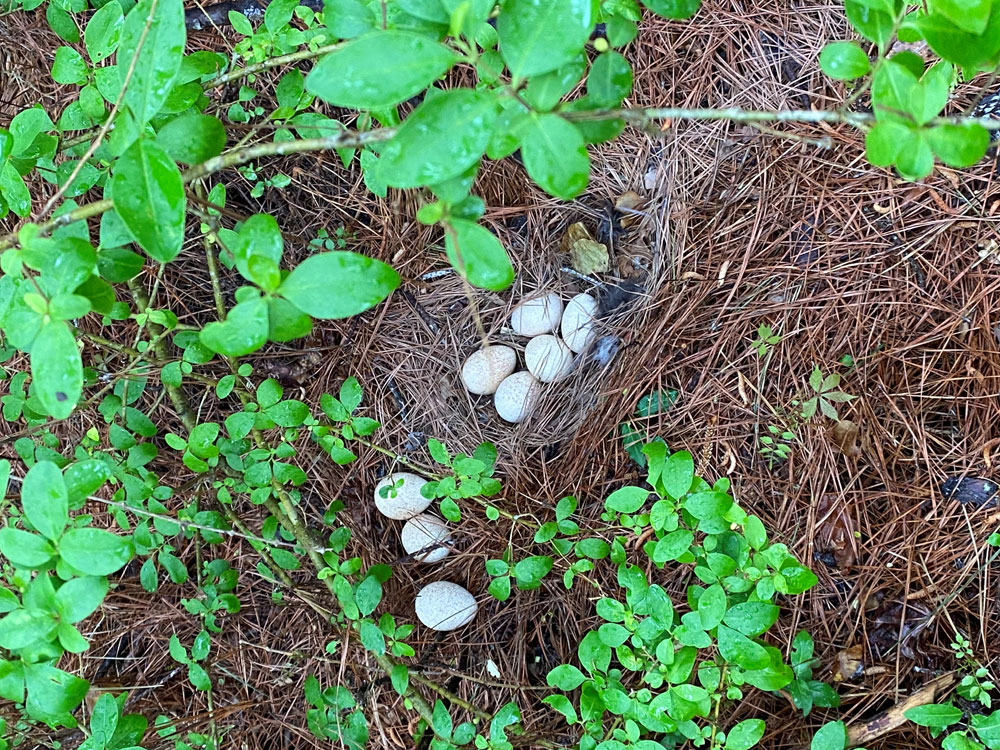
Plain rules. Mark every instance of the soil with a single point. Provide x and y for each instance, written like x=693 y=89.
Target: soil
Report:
x=739 y=229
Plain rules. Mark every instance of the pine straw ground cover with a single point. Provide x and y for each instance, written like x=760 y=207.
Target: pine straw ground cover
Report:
x=739 y=229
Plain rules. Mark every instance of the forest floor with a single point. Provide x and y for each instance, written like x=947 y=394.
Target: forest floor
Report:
x=893 y=285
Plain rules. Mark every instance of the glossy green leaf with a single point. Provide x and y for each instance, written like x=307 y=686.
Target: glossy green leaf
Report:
x=69 y=67
x=24 y=548
x=609 y=80
x=338 y=284
x=44 y=499
x=95 y=551
x=740 y=650
x=956 y=45
x=103 y=31
x=56 y=369
x=883 y=143
x=285 y=321
x=544 y=92
x=752 y=618
x=243 y=331
x=844 y=61
x=831 y=736
x=148 y=195
x=14 y=190
x=379 y=70
x=874 y=25
x=193 y=138
x=78 y=598
x=916 y=159
x=348 y=19
x=745 y=735
x=537 y=36
x=118 y=264
x=555 y=155
x=934 y=715
x=959 y=145
x=676 y=10
x=441 y=139
x=477 y=255
x=159 y=57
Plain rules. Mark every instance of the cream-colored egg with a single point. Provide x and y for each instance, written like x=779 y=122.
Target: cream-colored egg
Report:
x=517 y=396
x=445 y=606
x=579 y=321
x=402 y=498
x=548 y=358
x=538 y=315
x=485 y=369
x=425 y=532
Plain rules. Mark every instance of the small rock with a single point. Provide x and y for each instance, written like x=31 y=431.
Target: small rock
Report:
x=402 y=499
x=548 y=358
x=484 y=370
x=578 y=322
x=445 y=606
x=425 y=532
x=536 y=316
x=517 y=396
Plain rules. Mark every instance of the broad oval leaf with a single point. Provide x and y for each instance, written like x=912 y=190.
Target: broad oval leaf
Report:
x=338 y=284
x=745 y=735
x=103 y=31
x=610 y=79
x=193 y=138
x=844 y=61
x=158 y=58
x=379 y=70
x=44 y=499
x=676 y=10
x=441 y=139
x=56 y=369
x=94 y=551
x=148 y=194
x=555 y=155
x=537 y=36
x=78 y=598
x=243 y=331
x=477 y=255
x=959 y=145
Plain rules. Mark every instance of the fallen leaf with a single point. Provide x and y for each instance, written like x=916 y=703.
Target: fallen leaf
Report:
x=844 y=435
x=850 y=663
x=587 y=255
x=630 y=204
x=835 y=533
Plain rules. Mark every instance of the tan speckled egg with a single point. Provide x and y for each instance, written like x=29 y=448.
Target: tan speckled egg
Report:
x=402 y=499
x=517 y=396
x=578 y=322
x=445 y=606
x=425 y=532
x=484 y=370
x=538 y=315
x=548 y=358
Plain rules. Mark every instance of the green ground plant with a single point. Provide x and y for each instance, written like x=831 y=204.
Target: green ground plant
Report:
x=148 y=132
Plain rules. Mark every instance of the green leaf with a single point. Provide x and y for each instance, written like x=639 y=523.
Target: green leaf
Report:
x=400 y=678
x=892 y=86
x=44 y=499
x=958 y=46
x=23 y=627
x=338 y=284
x=934 y=715
x=441 y=139
x=915 y=160
x=677 y=10
x=678 y=474
x=192 y=138
x=831 y=736
x=499 y=588
x=199 y=677
x=672 y=546
x=14 y=190
x=740 y=650
x=627 y=499
x=103 y=31
x=609 y=80
x=987 y=729
x=844 y=61
x=285 y=321
x=69 y=67
x=712 y=606
x=347 y=19
x=243 y=331
x=148 y=194
x=78 y=598
x=95 y=551
x=278 y=13
x=884 y=141
x=874 y=25
x=477 y=255
x=26 y=126
x=555 y=155
x=959 y=145
x=968 y=15
x=745 y=735
x=56 y=369
x=52 y=693
x=24 y=548
x=159 y=57
x=708 y=505
x=752 y=618
x=379 y=70
x=536 y=37
x=544 y=92
x=372 y=638
x=565 y=677
x=530 y=571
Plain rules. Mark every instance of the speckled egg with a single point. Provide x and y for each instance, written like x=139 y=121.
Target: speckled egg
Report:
x=485 y=369
x=548 y=358
x=425 y=532
x=445 y=606
x=401 y=499
x=517 y=396
x=538 y=315
x=578 y=322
